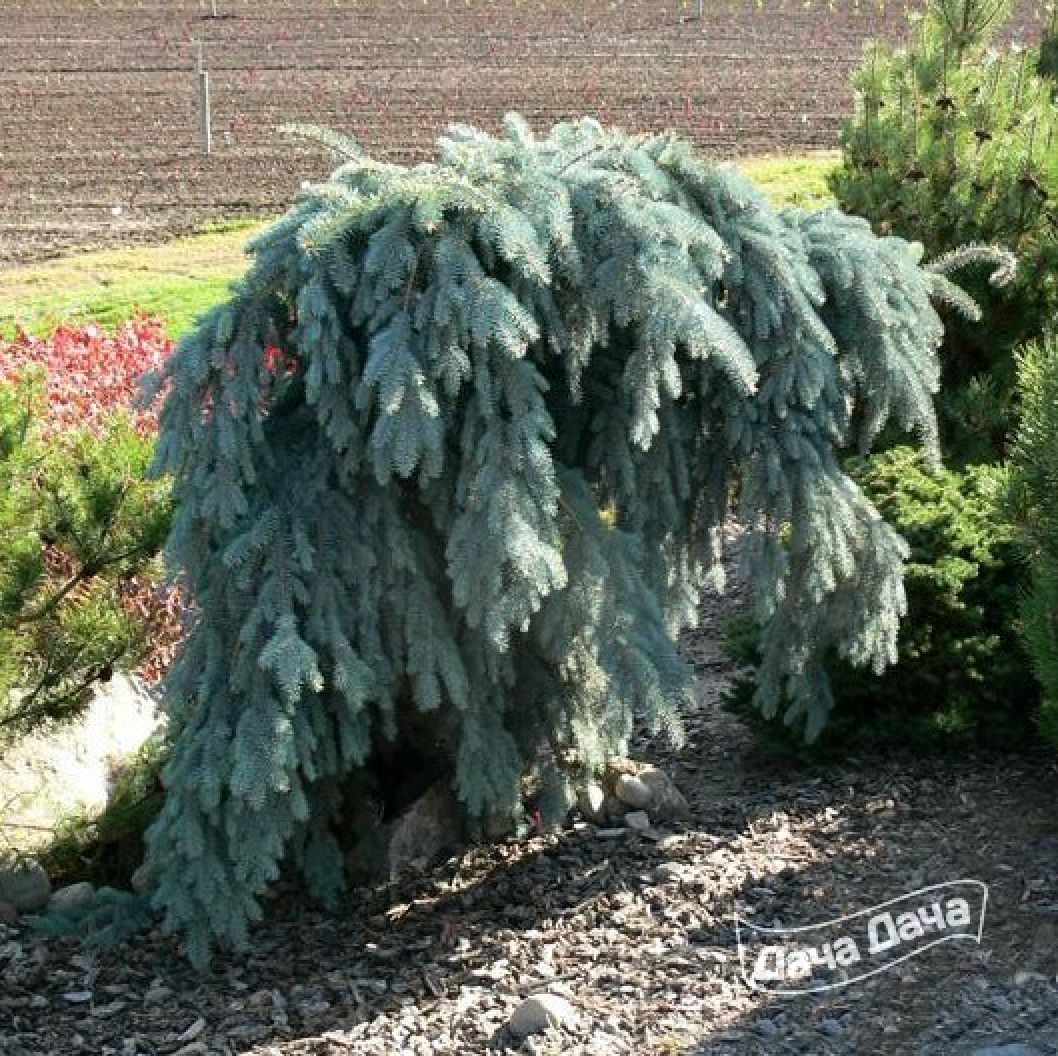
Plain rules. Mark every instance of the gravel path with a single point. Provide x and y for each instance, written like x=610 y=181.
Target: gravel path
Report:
x=635 y=930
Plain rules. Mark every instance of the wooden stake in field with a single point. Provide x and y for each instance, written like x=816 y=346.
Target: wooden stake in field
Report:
x=205 y=116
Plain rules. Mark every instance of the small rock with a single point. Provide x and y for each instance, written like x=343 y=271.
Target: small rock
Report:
x=670 y=841
x=1024 y=978
x=1014 y=1049
x=540 y=1011
x=157 y=994
x=667 y=802
x=638 y=820
x=590 y=801
x=668 y=872
x=8 y=914
x=139 y=880
x=634 y=791
x=73 y=896
x=25 y=885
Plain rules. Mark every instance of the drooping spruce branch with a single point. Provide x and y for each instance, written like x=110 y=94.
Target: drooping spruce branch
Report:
x=526 y=382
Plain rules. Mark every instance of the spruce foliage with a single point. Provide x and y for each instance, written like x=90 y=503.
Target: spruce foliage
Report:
x=518 y=389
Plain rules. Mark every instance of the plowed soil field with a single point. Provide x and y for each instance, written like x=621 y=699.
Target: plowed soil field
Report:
x=99 y=134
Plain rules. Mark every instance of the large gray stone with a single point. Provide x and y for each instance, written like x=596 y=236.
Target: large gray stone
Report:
x=384 y=849
x=25 y=885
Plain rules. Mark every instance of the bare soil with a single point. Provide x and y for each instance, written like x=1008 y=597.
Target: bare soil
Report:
x=98 y=119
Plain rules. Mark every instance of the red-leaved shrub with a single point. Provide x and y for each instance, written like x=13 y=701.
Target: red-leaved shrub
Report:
x=90 y=372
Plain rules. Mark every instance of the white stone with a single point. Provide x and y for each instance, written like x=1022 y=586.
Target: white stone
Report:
x=48 y=776
x=633 y=791
x=25 y=885
x=591 y=802
x=73 y=896
x=638 y=820
x=540 y=1011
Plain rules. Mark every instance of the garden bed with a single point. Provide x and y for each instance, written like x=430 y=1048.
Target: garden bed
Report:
x=637 y=932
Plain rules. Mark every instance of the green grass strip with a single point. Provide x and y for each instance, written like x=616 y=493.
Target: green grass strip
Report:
x=181 y=279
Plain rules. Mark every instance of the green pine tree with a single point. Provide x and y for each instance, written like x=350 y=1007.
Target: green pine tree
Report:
x=1035 y=494
x=78 y=521
x=473 y=508
x=953 y=142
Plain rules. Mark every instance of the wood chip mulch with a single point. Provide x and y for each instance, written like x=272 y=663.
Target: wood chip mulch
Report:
x=635 y=930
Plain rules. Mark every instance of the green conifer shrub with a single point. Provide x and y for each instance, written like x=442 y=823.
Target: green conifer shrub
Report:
x=953 y=143
x=461 y=524
x=1047 y=59
x=1035 y=494
x=79 y=523
x=962 y=679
